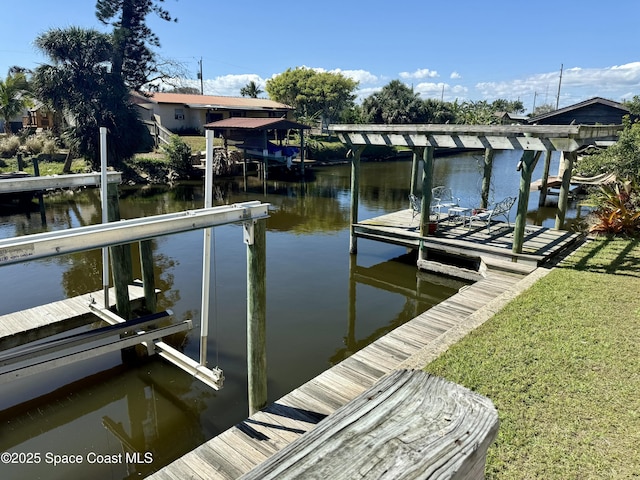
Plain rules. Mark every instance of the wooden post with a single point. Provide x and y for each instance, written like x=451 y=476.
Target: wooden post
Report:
x=355 y=193
x=425 y=207
x=36 y=173
x=545 y=180
x=528 y=162
x=302 y=152
x=418 y=152
x=568 y=159
x=486 y=177
x=256 y=315
x=148 y=279
x=20 y=162
x=121 y=264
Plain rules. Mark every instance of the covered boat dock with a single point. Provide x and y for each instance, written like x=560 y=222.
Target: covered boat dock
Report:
x=519 y=243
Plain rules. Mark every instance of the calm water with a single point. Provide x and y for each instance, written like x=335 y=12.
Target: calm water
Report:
x=320 y=308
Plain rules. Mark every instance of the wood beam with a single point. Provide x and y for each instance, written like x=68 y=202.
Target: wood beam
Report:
x=425 y=207
x=418 y=152
x=568 y=159
x=355 y=193
x=545 y=179
x=486 y=177
x=528 y=164
x=256 y=317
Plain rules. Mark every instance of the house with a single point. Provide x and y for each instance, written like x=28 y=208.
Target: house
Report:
x=594 y=111
x=181 y=111
x=510 y=118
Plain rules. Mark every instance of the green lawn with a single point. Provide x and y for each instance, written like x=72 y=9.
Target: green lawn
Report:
x=561 y=364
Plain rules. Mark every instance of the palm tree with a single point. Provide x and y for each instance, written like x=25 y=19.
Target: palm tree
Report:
x=14 y=97
x=251 y=89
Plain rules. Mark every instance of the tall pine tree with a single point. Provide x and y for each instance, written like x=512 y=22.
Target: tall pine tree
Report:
x=133 y=57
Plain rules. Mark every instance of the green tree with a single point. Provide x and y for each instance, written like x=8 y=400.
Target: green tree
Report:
x=542 y=109
x=14 y=97
x=80 y=82
x=132 y=54
x=313 y=93
x=251 y=89
x=396 y=103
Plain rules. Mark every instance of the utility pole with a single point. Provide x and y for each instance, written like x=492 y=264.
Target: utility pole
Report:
x=200 y=77
x=559 y=85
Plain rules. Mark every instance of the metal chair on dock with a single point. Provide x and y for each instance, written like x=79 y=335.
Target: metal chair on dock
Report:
x=502 y=208
x=442 y=198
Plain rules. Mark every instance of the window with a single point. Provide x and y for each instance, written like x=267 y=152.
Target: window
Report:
x=179 y=114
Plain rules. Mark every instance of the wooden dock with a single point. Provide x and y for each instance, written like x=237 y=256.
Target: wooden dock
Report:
x=456 y=239
x=246 y=445
x=45 y=320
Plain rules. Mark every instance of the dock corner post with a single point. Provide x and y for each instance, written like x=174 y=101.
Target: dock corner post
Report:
x=486 y=177
x=302 y=153
x=355 y=194
x=568 y=158
x=418 y=152
x=528 y=163
x=148 y=279
x=545 y=179
x=425 y=207
x=256 y=315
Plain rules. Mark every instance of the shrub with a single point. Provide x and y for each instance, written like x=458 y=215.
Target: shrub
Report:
x=179 y=156
x=34 y=144
x=9 y=146
x=618 y=211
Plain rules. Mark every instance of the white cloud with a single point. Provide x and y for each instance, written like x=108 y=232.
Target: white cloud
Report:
x=578 y=84
x=419 y=74
x=362 y=76
x=455 y=76
x=441 y=90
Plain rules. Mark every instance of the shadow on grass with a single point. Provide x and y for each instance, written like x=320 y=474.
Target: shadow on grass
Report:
x=611 y=255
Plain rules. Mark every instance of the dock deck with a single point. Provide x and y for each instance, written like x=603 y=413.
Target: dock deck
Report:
x=244 y=446
x=38 y=322
x=453 y=238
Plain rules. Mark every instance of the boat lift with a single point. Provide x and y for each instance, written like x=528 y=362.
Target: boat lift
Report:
x=31 y=359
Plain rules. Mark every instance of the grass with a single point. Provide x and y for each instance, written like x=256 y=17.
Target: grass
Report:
x=78 y=165
x=561 y=364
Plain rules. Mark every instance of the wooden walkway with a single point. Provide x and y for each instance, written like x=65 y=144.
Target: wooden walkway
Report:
x=540 y=244
x=44 y=320
x=244 y=446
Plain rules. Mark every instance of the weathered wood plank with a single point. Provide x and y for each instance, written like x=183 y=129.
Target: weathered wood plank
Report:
x=410 y=425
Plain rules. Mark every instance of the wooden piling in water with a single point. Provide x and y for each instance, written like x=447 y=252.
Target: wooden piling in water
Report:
x=148 y=279
x=486 y=177
x=121 y=263
x=256 y=316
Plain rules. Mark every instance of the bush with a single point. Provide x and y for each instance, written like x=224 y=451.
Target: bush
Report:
x=179 y=156
x=34 y=144
x=9 y=146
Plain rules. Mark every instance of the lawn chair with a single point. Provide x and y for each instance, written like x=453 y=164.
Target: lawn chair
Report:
x=415 y=206
x=442 y=198
x=501 y=208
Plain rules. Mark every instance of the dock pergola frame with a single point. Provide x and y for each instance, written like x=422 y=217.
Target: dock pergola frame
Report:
x=532 y=140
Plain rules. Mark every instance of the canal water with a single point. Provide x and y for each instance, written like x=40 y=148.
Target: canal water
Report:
x=109 y=419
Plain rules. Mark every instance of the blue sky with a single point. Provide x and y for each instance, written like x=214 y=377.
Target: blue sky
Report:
x=464 y=49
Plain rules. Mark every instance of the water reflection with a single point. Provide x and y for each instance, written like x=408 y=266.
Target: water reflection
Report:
x=322 y=305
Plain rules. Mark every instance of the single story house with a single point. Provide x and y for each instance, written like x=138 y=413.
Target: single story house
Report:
x=510 y=118
x=595 y=111
x=181 y=111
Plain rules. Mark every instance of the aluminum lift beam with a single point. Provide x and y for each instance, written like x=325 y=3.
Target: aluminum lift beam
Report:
x=48 y=244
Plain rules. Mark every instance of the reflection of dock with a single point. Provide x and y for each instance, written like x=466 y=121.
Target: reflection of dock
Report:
x=44 y=320
x=244 y=446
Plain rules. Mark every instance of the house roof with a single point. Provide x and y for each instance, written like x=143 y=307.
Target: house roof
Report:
x=211 y=101
x=245 y=123
x=578 y=106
